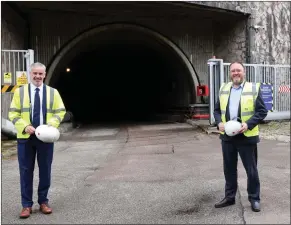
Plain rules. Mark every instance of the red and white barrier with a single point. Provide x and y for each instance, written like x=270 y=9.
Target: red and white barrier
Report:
x=284 y=89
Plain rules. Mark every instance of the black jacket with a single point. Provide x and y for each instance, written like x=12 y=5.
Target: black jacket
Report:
x=260 y=114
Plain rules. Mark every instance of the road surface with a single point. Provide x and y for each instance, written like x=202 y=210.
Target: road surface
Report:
x=149 y=173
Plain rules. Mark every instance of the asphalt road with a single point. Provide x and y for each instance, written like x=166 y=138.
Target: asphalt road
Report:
x=145 y=174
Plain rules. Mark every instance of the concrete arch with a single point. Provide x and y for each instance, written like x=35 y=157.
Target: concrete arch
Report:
x=102 y=28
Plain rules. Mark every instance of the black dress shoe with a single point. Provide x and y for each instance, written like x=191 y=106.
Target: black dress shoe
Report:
x=256 y=207
x=224 y=202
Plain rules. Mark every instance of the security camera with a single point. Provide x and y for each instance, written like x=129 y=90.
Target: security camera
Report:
x=256 y=27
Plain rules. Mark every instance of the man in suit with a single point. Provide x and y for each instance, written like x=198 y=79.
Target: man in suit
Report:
x=242 y=101
x=32 y=105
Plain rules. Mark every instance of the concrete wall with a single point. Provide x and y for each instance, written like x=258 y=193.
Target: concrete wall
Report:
x=50 y=31
x=199 y=39
x=270 y=43
x=13 y=29
x=13 y=34
x=13 y=37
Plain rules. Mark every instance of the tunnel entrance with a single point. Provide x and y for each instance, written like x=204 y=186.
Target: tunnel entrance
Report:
x=122 y=75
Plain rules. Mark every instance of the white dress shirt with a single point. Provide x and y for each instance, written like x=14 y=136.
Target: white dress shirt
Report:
x=32 y=94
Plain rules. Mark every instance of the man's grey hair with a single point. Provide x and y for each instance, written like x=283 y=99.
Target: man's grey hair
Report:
x=37 y=64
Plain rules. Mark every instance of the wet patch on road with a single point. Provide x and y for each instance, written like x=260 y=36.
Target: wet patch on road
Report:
x=195 y=208
x=188 y=211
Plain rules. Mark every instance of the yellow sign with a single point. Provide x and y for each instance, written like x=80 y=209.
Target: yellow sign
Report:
x=7 y=78
x=21 y=77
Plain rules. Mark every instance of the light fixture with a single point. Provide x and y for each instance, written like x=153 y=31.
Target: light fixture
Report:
x=68 y=70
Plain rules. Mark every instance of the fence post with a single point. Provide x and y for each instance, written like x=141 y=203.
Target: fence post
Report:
x=255 y=79
x=210 y=81
x=275 y=90
x=216 y=78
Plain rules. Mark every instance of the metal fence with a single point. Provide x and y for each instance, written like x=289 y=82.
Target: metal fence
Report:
x=13 y=61
x=13 y=64
x=278 y=76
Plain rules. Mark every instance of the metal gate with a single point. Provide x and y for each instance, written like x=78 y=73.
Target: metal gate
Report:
x=14 y=72
x=276 y=76
x=13 y=63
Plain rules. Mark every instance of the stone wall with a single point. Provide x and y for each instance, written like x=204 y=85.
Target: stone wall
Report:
x=269 y=29
x=230 y=42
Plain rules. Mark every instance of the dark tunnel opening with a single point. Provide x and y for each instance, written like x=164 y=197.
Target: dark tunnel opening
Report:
x=125 y=78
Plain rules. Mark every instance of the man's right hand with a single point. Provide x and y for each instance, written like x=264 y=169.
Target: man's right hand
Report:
x=221 y=126
x=29 y=129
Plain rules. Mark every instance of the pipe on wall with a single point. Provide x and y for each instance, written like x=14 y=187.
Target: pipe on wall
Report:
x=250 y=39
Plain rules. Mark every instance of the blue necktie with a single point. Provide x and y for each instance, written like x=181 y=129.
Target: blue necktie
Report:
x=36 y=109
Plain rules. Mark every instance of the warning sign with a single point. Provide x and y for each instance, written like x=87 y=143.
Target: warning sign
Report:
x=267 y=95
x=7 y=78
x=21 y=77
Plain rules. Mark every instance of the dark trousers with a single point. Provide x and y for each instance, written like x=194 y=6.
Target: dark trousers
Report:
x=248 y=155
x=27 y=150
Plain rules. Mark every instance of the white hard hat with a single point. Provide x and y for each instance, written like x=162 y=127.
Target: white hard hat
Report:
x=47 y=134
x=232 y=127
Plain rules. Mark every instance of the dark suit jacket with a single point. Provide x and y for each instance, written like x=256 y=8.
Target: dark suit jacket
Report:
x=260 y=114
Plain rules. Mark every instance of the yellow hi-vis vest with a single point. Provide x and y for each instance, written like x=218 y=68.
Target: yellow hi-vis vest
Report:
x=247 y=103
x=20 y=109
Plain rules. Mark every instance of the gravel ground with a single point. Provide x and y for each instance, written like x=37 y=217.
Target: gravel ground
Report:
x=270 y=130
x=276 y=130
x=8 y=148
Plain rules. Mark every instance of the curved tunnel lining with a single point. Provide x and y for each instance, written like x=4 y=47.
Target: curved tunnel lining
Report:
x=63 y=52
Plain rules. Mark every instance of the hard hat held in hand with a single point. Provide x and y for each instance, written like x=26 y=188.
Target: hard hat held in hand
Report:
x=47 y=134
x=232 y=127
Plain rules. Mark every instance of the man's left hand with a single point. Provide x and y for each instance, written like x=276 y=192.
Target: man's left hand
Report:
x=244 y=128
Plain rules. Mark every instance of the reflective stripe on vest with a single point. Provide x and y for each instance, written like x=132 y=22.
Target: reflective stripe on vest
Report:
x=15 y=120
x=14 y=110
x=21 y=94
x=51 y=98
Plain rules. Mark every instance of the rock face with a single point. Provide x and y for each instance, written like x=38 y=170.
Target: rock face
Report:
x=269 y=26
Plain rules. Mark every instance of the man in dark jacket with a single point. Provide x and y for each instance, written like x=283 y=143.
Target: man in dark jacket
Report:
x=242 y=101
